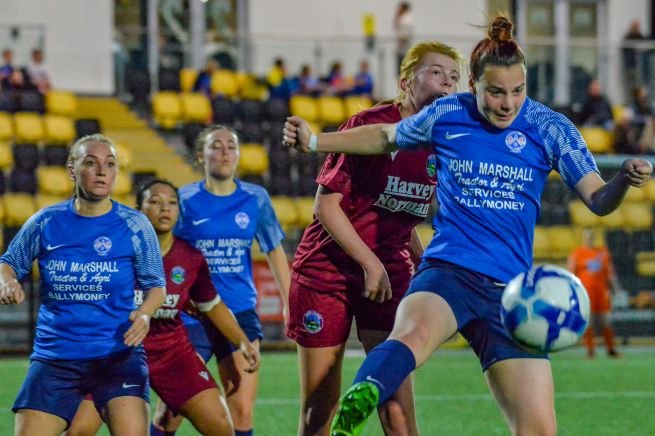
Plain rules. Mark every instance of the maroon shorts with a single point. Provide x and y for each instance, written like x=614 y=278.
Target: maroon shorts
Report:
x=320 y=318
x=178 y=374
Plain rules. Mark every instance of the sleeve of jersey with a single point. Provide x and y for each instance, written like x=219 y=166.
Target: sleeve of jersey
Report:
x=336 y=171
x=269 y=233
x=569 y=154
x=203 y=292
x=149 y=265
x=24 y=248
x=416 y=131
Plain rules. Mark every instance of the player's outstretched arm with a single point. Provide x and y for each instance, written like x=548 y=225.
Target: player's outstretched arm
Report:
x=603 y=198
x=223 y=318
x=279 y=264
x=368 y=139
x=141 y=318
x=11 y=291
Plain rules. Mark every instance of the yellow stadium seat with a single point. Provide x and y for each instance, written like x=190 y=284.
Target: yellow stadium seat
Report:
x=195 y=108
x=637 y=216
x=598 y=139
x=123 y=184
x=305 y=207
x=305 y=107
x=18 y=208
x=581 y=215
x=166 y=109
x=59 y=129
x=562 y=240
x=649 y=189
x=127 y=199
x=6 y=156
x=356 y=104
x=425 y=233
x=45 y=200
x=646 y=263
x=635 y=195
x=61 y=103
x=285 y=211
x=6 y=127
x=613 y=220
x=541 y=245
x=224 y=82
x=618 y=113
x=2 y=218
x=188 y=78
x=28 y=128
x=54 y=180
x=253 y=159
x=331 y=110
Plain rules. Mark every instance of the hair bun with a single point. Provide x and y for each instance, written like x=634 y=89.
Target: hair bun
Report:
x=500 y=29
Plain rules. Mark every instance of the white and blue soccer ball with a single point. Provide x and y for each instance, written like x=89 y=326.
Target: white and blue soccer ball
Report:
x=545 y=309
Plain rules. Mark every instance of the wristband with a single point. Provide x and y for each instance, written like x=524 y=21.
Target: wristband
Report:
x=8 y=282
x=145 y=317
x=313 y=143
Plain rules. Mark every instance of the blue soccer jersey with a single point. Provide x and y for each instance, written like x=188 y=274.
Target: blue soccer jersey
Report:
x=490 y=180
x=223 y=228
x=89 y=268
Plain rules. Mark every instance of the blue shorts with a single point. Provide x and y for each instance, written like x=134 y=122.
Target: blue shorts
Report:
x=475 y=300
x=208 y=341
x=59 y=386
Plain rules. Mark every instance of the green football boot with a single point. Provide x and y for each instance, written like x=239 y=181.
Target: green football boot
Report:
x=354 y=408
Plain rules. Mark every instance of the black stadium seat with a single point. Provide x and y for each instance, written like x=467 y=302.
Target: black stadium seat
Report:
x=224 y=111
x=23 y=181
x=26 y=156
x=7 y=101
x=31 y=101
x=87 y=126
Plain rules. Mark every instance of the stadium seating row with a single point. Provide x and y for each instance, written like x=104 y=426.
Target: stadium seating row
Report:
x=55 y=102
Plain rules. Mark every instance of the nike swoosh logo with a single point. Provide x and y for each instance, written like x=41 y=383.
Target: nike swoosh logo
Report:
x=198 y=222
x=125 y=386
x=455 y=135
x=374 y=381
x=54 y=247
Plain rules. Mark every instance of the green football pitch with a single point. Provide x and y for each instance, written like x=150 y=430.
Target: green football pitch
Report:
x=596 y=397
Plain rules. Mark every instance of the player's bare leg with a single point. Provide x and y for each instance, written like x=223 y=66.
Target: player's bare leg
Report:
x=87 y=421
x=398 y=414
x=207 y=411
x=525 y=392
x=127 y=416
x=240 y=388
x=29 y=422
x=320 y=385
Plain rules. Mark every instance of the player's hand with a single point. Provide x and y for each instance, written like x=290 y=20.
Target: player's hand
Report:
x=296 y=134
x=139 y=329
x=12 y=292
x=251 y=353
x=377 y=287
x=638 y=171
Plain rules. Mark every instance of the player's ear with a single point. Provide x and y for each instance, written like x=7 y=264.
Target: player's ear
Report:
x=472 y=85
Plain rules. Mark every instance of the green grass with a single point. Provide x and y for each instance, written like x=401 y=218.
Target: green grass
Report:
x=594 y=397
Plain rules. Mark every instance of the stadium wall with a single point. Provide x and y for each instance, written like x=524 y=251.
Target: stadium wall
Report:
x=77 y=40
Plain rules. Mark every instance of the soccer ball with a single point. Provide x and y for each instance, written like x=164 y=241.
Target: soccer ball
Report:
x=545 y=309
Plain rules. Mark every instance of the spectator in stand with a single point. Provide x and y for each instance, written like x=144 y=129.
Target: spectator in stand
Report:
x=596 y=110
x=363 y=80
x=633 y=132
x=37 y=72
x=336 y=82
x=204 y=80
x=11 y=77
x=592 y=263
x=7 y=67
x=632 y=57
x=278 y=81
x=403 y=26
x=308 y=84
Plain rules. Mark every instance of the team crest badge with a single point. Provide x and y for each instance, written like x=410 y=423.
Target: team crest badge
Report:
x=242 y=219
x=102 y=245
x=312 y=321
x=431 y=165
x=515 y=141
x=178 y=274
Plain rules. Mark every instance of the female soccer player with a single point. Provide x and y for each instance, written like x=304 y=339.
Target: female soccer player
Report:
x=177 y=374
x=92 y=252
x=221 y=216
x=495 y=148
x=363 y=229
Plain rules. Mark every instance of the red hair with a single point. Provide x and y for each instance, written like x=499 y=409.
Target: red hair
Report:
x=498 y=48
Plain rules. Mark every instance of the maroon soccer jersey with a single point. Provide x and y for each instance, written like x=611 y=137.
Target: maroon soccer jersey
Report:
x=187 y=277
x=384 y=197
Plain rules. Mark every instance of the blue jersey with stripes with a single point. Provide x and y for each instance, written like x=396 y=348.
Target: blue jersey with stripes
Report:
x=223 y=229
x=89 y=268
x=490 y=180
